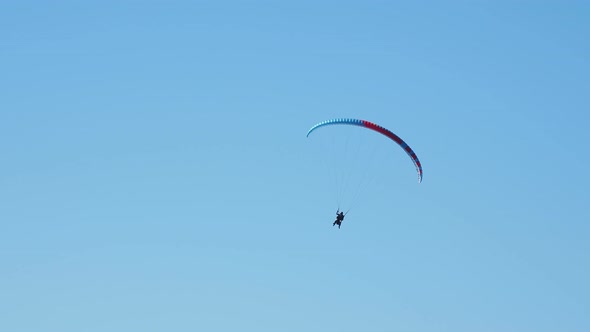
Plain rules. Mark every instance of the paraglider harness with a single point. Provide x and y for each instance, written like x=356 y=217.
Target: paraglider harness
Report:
x=339 y=218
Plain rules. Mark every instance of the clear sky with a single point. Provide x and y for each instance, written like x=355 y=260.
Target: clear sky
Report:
x=155 y=174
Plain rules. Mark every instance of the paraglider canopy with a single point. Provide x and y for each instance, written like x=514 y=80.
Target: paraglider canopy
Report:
x=379 y=129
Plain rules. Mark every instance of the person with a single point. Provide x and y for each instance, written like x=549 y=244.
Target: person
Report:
x=339 y=219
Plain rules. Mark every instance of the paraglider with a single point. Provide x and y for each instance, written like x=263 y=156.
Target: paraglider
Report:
x=379 y=129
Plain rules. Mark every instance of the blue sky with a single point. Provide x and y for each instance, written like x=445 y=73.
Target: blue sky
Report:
x=156 y=176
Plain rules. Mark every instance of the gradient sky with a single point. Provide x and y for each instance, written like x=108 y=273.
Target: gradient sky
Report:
x=155 y=174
